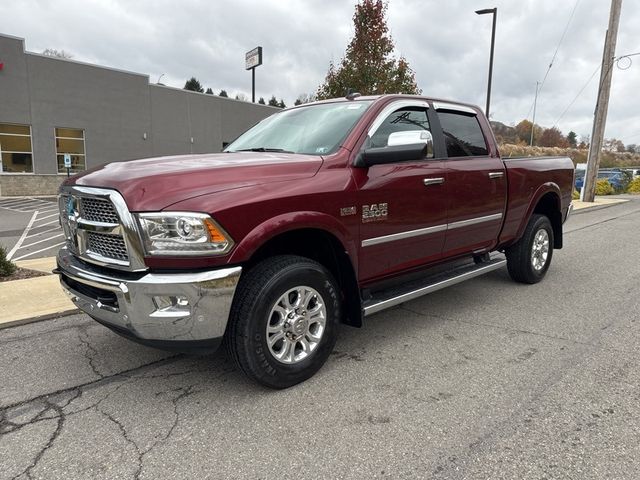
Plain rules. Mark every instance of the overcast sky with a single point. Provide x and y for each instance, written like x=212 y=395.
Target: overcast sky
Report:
x=444 y=41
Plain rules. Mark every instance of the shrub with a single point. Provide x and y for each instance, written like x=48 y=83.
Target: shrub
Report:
x=603 y=187
x=634 y=186
x=7 y=267
x=575 y=195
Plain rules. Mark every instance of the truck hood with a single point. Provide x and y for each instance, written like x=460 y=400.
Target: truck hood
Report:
x=155 y=183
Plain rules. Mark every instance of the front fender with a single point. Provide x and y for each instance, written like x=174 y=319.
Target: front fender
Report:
x=293 y=221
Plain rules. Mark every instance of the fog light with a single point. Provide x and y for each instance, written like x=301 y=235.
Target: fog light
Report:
x=171 y=306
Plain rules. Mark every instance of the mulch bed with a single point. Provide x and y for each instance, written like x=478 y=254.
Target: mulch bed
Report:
x=22 y=273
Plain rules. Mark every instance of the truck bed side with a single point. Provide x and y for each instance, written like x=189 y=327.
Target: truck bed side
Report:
x=532 y=180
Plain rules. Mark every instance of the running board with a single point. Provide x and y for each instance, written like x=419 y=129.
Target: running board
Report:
x=418 y=288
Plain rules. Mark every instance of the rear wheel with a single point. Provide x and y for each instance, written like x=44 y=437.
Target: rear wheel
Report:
x=284 y=319
x=529 y=258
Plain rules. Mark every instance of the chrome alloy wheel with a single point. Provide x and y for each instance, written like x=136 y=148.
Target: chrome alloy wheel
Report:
x=296 y=324
x=540 y=250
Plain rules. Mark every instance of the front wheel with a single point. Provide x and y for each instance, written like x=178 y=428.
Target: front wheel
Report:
x=284 y=320
x=528 y=259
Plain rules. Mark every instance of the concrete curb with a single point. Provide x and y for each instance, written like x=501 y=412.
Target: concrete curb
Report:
x=40 y=318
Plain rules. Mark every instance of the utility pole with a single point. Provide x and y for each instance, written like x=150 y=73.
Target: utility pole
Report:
x=602 y=106
x=533 y=124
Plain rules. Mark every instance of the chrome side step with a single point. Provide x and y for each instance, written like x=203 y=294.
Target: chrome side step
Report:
x=422 y=287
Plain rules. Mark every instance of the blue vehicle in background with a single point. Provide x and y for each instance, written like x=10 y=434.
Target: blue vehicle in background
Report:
x=615 y=177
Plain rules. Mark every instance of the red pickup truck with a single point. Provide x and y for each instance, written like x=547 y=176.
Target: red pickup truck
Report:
x=318 y=215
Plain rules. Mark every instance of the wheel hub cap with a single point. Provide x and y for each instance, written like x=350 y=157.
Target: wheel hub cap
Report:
x=296 y=324
x=540 y=250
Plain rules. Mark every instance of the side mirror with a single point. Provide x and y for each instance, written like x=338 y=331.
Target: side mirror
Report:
x=409 y=138
x=391 y=154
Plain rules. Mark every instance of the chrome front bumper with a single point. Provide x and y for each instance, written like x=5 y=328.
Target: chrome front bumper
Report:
x=154 y=307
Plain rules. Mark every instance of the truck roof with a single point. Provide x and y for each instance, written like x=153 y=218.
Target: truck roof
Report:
x=374 y=98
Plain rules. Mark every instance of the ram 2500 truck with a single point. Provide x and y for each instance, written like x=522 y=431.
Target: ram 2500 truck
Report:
x=318 y=215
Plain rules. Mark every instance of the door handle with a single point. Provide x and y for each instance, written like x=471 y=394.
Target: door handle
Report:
x=432 y=181
x=496 y=174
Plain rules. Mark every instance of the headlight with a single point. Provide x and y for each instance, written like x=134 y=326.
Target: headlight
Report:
x=182 y=233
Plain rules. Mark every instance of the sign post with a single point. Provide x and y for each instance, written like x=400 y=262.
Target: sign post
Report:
x=67 y=162
x=253 y=59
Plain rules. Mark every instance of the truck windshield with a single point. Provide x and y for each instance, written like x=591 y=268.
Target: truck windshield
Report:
x=315 y=130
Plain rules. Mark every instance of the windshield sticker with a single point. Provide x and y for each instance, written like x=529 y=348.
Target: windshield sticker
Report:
x=322 y=150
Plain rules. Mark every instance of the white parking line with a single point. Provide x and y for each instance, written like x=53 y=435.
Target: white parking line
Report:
x=38 y=251
x=23 y=236
x=48 y=216
x=48 y=223
x=40 y=241
x=40 y=233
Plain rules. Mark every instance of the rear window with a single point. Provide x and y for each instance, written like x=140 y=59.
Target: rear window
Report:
x=463 y=135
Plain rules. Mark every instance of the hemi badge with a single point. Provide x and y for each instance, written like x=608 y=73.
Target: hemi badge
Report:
x=346 y=211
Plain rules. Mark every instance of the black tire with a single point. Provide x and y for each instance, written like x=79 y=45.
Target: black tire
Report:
x=257 y=294
x=520 y=255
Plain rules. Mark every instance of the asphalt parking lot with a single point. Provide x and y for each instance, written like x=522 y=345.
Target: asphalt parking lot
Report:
x=485 y=380
x=29 y=227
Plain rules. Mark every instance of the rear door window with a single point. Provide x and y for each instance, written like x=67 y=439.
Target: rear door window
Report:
x=462 y=134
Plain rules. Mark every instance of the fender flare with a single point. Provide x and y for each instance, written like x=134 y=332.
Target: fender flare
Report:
x=291 y=221
x=545 y=188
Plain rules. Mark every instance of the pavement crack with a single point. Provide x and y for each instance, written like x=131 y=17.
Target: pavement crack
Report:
x=129 y=440
x=61 y=418
x=90 y=352
x=123 y=373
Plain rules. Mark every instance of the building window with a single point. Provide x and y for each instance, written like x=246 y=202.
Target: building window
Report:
x=71 y=141
x=15 y=148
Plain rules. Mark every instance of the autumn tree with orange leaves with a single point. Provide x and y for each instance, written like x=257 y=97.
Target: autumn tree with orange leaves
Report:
x=368 y=66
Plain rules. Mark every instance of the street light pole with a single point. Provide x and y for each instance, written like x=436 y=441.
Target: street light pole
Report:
x=493 y=11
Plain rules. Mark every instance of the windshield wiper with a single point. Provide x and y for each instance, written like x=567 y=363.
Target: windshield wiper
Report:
x=263 y=149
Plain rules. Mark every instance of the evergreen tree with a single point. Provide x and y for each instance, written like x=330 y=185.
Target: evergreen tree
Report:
x=209 y=91
x=572 y=138
x=281 y=104
x=194 y=85
x=368 y=66
x=223 y=93
x=273 y=102
x=261 y=101
x=297 y=102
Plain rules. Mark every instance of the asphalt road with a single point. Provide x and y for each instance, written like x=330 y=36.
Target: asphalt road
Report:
x=487 y=379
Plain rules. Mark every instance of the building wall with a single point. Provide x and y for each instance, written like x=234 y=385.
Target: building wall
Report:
x=122 y=115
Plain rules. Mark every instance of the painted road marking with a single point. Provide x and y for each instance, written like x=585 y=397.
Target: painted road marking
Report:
x=41 y=250
x=23 y=236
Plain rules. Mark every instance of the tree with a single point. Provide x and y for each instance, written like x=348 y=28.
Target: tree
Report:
x=368 y=66
x=241 y=96
x=297 y=102
x=223 y=93
x=281 y=104
x=633 y=148
x=523 y=131
x=305 y=98
x=613 y=145
x=209 y=91
x=572 y=138
x=194 y=85
x=552 y=137
x=261 y=101
x=52 y=52
x=273 y=102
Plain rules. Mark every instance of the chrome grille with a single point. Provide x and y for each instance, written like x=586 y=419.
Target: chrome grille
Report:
x=98 y=210
x=109 y=246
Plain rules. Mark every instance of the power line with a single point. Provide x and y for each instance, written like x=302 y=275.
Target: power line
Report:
x=555 y=54
x=616 y=62
x=576 y=97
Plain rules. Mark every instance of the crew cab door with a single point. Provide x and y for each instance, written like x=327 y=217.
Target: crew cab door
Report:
x=401 y=201
x=476 y=181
